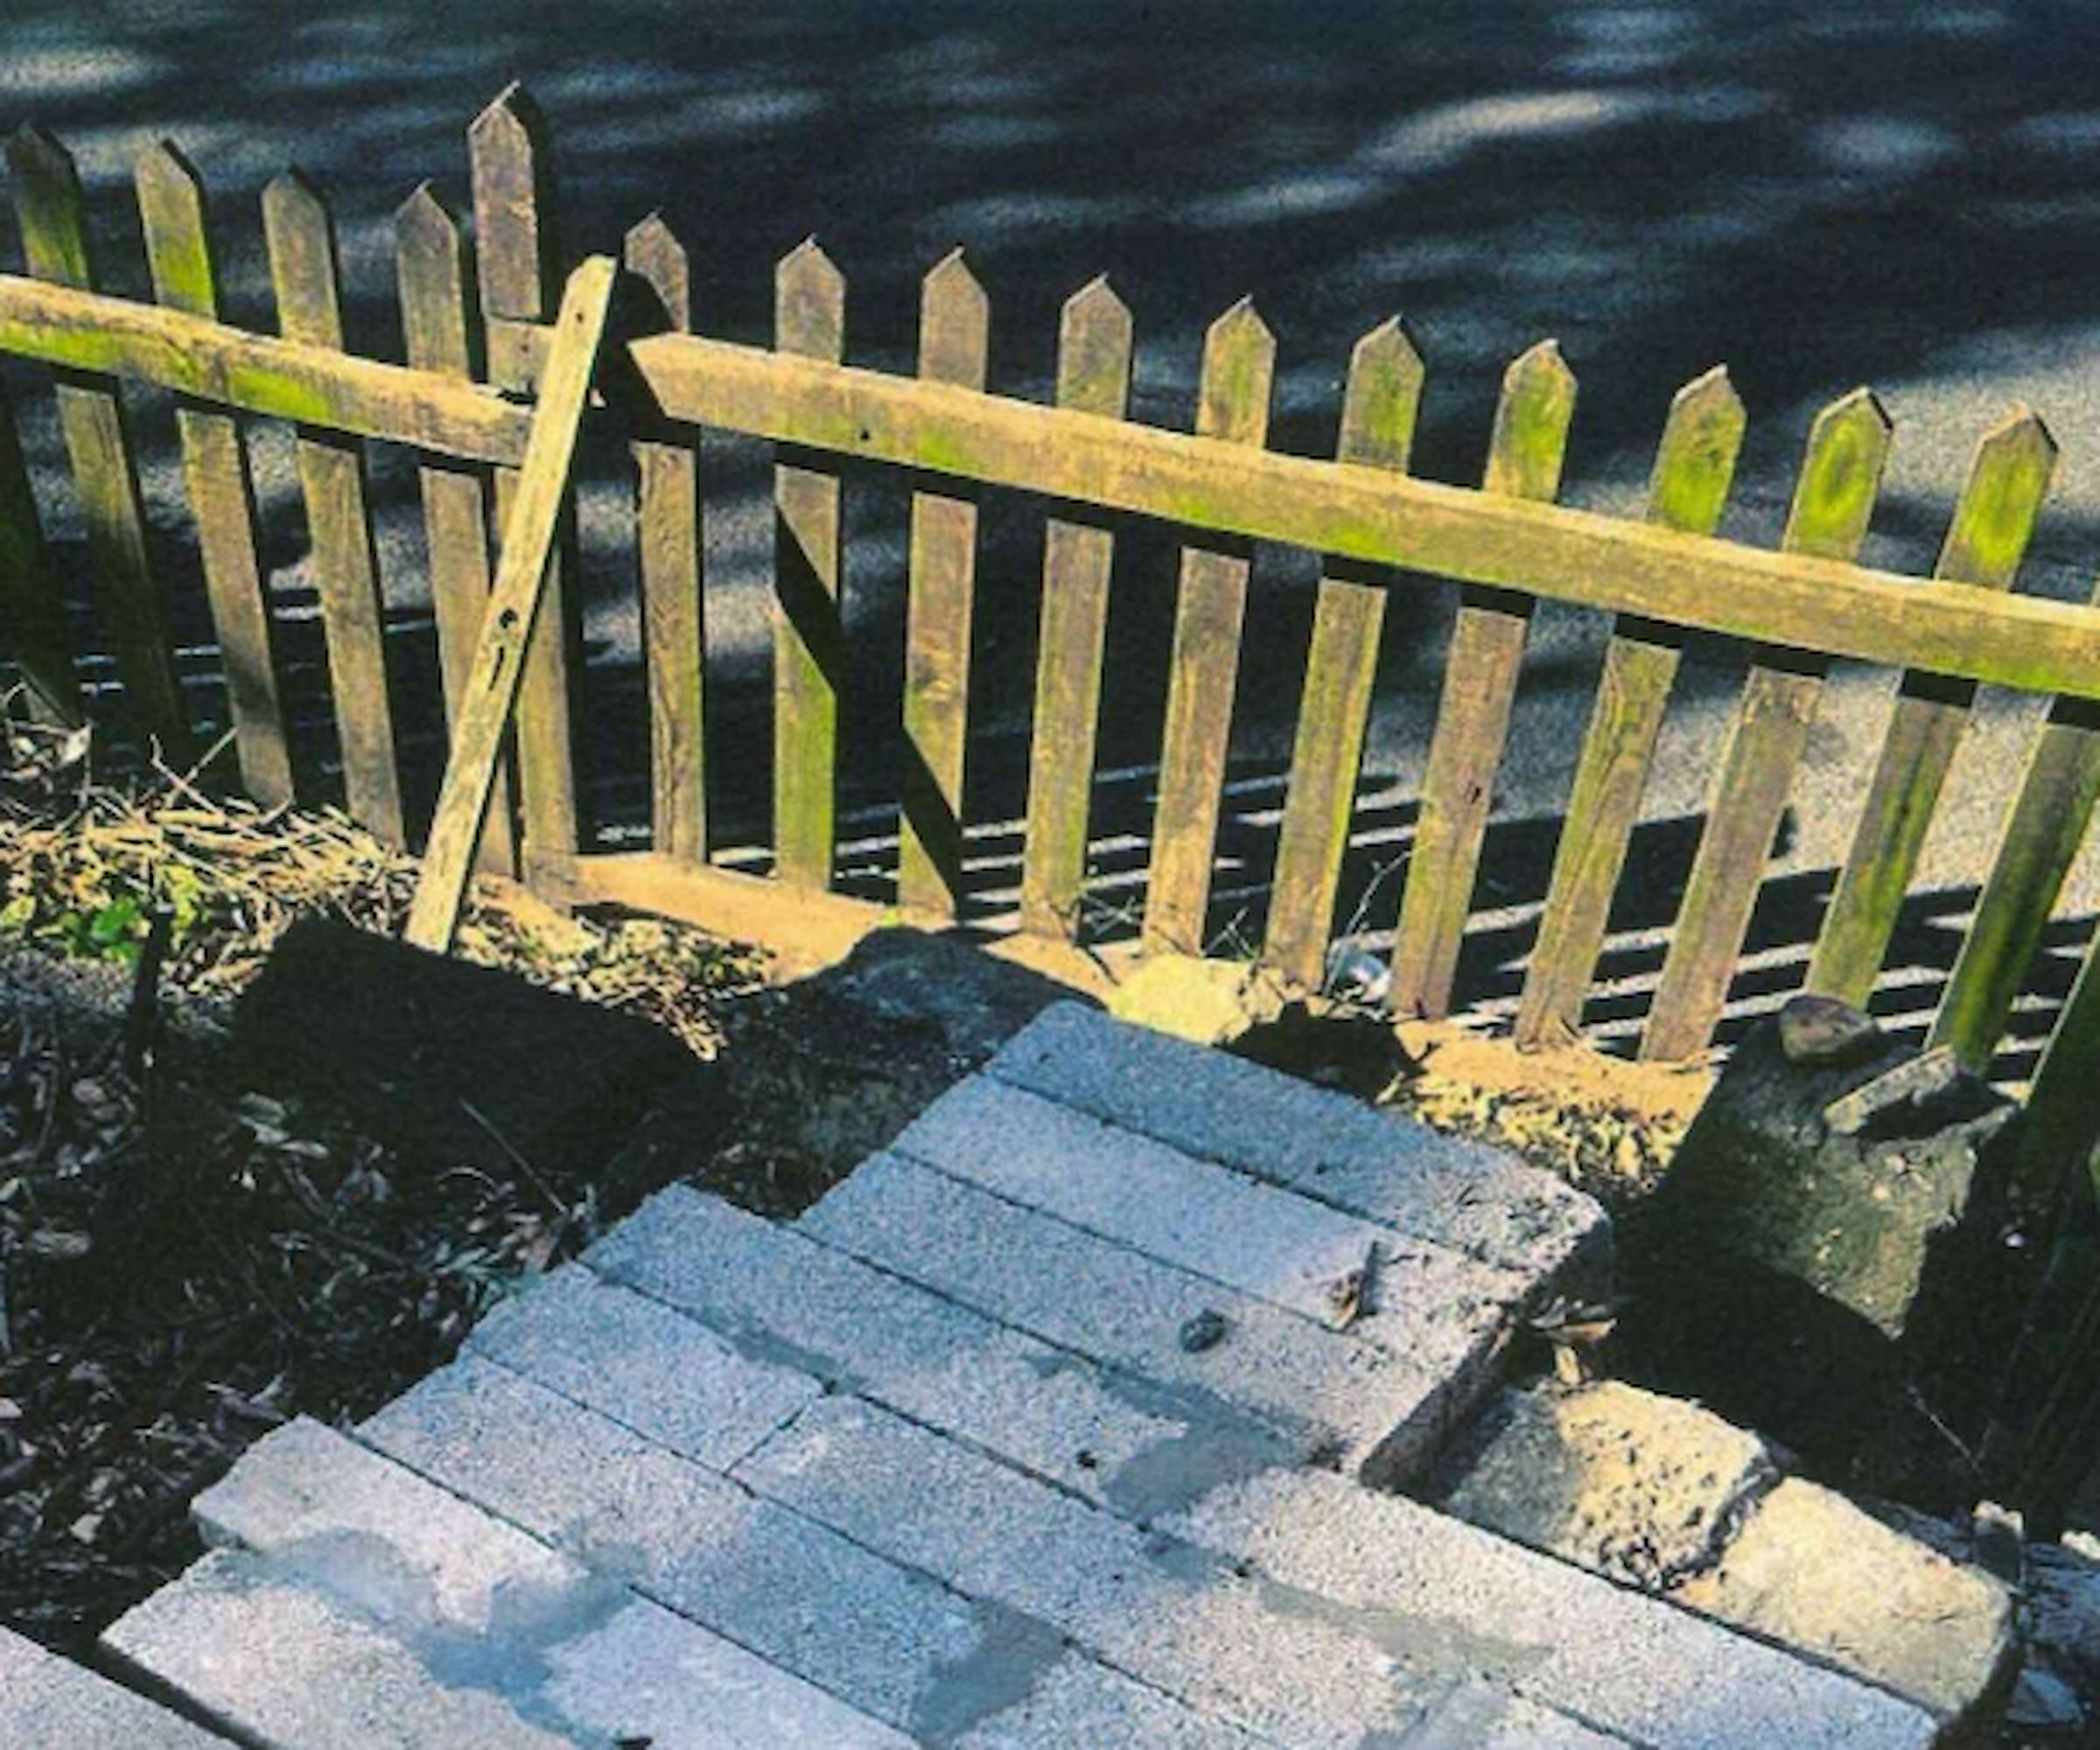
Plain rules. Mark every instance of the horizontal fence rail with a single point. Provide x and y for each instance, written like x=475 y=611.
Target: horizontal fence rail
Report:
x=1375 y=526
x=1700 y=582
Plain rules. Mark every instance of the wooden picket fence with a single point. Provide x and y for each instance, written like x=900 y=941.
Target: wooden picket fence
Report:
x=1507 y=544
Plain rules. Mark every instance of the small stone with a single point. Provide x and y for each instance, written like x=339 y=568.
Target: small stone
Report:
x=1998 y=1536
x=1821 y=1030
x=1204 y=1331
x=1206 y=1002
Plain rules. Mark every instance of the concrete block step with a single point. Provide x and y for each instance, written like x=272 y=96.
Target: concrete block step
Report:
x=774 y=1292
x=1441 y=1307
x=46 y=1699
x=890 y=1640
x=1621 y=1659
x=286 y=1666
x=1479 y=1200
x=674 y=1376
x=1095 y=1297
x=1037 y=1554
x=350 y=1576
x=1176 y=1615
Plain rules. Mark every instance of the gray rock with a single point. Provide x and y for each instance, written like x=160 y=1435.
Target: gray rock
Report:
x=1821 y=1030
x=1819 y=1285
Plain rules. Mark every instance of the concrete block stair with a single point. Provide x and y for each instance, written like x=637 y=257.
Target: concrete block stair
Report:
x=1057 y=1423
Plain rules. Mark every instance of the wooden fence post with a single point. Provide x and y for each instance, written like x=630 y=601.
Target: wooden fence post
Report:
x=1093 y=376
x=517 y=262
x=33 y=618
x=517 y=600
x=1984 y=545
x=1833 y=501
x=954 y=335
x=1695 y=464
x=1239 y=372
x=52 y=214
x=2044 y=830
x=305 y=269
x=432 y=268
x=810 y=319
x=214 y=463
x=674 y=617
x=1380 y=402
x=1524 y=457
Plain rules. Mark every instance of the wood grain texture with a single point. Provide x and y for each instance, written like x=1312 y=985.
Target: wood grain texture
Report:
x=2045 y=827
x=304 y=271
x=1993 y=522
x=215 y=473
x=519 y=598
x=1094 y=338
x=1695 y=464
x=674 y=625
x=52 y=213
x=1232 y=405
x=1833 y=501
x=1842 y=609
x=1381 y=399
x=261 y=373
x=1699 y=582
x=33 y=616
x=809 y=319
x=1524 y=457
x=955 y=323
x=510 y=162
x=432 y=275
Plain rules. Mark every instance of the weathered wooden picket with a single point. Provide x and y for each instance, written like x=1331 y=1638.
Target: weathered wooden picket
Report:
x=1508 y=545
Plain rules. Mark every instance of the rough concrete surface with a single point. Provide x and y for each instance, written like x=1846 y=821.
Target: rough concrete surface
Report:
x=1103 y=1301
x=1465 y=1194
x=1033 y=1442
x=48 y=1700
x=596 y=1341
x=1641 y=1487
x=1810 y=1569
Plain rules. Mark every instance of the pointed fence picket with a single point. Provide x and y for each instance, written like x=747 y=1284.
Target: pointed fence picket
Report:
x=1833 y=499
x=674 y=625
x=955 y=323
x=1232 y=406
x=478 y=325
x=214 y=461
x=1093 y=376
x=809 y=320
x=1381 y=399
x=432 y=272
x=52 y=213
x=304 y=269
x=517 y=261
x=1695 y=465
x=1524 y=455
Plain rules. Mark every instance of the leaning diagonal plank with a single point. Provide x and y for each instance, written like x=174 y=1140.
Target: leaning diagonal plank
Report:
x=491 y=689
